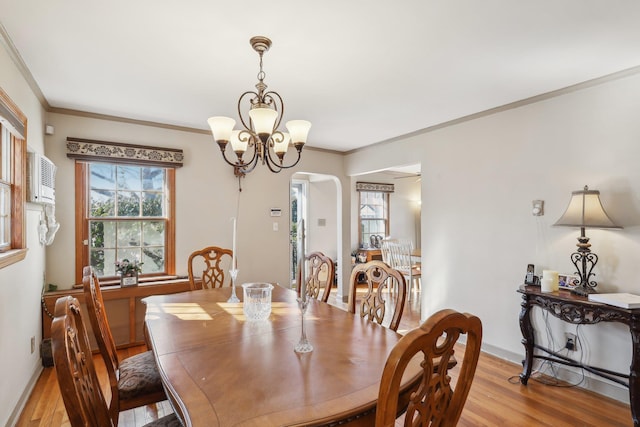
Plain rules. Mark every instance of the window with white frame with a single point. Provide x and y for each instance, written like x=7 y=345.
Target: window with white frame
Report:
x=373 y=213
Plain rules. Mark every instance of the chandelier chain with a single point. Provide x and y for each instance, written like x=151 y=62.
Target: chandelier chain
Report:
x=261 y=74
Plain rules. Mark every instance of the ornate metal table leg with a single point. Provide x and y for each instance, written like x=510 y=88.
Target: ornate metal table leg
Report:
x=634 y=375
x=527 y=339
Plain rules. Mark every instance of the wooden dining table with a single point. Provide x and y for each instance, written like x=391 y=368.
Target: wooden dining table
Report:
x=219 y=369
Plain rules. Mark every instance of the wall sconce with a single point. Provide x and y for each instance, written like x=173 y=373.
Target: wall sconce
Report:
x=585 y=210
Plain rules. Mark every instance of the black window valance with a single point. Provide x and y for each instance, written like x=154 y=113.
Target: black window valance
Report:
x=373 y=186
x=117 y=152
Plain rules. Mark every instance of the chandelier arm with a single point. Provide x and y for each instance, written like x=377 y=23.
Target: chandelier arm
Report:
x=276 y=167
x=224 y=156
x=246 y=124
x=246 y=168
x=280 y=103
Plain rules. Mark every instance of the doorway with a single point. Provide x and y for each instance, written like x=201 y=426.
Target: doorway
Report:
x=298 y=211
x=318 y=199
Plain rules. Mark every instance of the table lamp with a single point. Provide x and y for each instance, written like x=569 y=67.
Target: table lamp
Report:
x=585 y=210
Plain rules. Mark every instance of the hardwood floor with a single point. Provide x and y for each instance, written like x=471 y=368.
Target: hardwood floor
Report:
x=496 y=399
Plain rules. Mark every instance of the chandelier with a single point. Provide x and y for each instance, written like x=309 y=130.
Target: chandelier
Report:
x=260 y=129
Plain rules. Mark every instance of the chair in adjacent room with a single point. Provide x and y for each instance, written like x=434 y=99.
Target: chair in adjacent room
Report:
x=397 y=253
x=378 y=276
x=215 y=263
x=320 y=274
x=76 y=373
x=437 y=400
x=134 y=381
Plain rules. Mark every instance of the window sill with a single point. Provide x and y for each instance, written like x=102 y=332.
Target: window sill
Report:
x=12 y=256
x=142 y=281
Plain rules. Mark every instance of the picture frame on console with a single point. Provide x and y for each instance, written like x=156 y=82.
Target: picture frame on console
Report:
x=567 y=281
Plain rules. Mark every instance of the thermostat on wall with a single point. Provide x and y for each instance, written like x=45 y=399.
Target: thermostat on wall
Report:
x=276 y=212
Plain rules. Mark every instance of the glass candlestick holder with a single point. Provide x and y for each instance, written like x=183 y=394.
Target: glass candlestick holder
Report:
x=303 y=346
x=234 y=274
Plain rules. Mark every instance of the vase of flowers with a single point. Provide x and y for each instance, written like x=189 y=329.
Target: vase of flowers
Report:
x=128 y=271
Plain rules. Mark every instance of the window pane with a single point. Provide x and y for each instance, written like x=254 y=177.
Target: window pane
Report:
x=5 y=215
x=129 y=234
x=102 y=203
x=153 y=233
x=128 y=204
x=101 y=234
x=153 y=179
x=153 y=259
x=102 y=176
x=5 y=154
x=129 y=178
x=152 y=204
x=129 y=253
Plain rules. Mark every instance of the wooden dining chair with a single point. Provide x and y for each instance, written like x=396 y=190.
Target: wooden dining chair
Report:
x=378 y=276
x=215 y=263
x=134 y=381
x=397 y=253
x=320 y=275
x=76 y=373
x=437 y=401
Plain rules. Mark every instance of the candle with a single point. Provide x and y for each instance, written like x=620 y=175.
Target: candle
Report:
x=234 y=265
x=549 y=281
x=303 y=275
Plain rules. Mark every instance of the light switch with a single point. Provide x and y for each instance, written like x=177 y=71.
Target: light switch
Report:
x=275 y=226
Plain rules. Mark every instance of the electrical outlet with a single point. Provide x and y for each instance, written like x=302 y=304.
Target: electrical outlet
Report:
x=33 y=344
x=571 y=341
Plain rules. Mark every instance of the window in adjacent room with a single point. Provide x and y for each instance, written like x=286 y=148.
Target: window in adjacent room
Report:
x=373 y=213
x=12 y=178
x=128 y=216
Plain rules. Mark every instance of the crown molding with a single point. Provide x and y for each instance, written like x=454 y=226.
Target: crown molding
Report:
x=22 y=67
x=510 y=106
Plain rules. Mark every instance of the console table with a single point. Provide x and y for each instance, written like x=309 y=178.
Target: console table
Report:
x=579 y=310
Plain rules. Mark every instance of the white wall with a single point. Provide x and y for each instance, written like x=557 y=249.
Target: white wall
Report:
x=207 y=197
x=478 y=234
x=21 y=283
x=322 y=206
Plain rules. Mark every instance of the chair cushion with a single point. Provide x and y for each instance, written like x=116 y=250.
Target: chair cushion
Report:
x=168 y=421
x=139 y=376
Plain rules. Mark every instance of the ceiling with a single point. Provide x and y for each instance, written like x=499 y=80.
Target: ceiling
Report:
x=361 y=71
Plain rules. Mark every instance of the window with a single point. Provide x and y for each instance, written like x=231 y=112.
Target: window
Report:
x=374 y=215
x=12 y=177
x=128 y=215
x=5 y=188
x=124 y=205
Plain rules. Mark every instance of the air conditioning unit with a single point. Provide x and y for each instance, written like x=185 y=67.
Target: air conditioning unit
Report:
x=41 y=179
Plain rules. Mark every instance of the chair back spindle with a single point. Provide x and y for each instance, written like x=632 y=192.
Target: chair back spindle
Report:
x=437 y=400
x=320 y=275
x=379 y=276
x=215 y=263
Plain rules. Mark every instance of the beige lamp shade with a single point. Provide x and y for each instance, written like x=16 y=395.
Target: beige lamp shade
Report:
x=585 y=210
x=221 y=127
x=239 y=143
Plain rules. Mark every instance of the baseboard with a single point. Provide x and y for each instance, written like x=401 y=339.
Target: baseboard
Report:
x=15 y=414
x=591 y=383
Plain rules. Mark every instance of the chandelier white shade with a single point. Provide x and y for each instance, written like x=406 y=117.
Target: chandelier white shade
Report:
x=260 y=114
